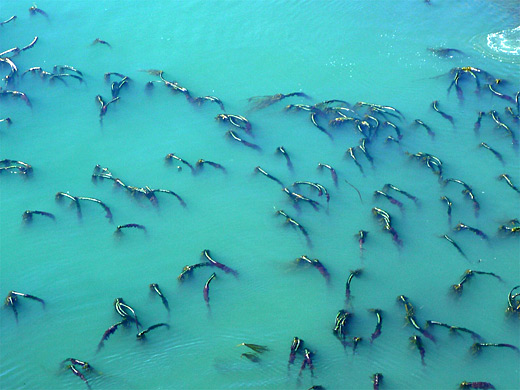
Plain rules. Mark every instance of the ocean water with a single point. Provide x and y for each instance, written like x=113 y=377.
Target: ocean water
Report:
x=356 y=51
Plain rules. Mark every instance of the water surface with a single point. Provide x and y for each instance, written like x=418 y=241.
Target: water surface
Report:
x=235 y=50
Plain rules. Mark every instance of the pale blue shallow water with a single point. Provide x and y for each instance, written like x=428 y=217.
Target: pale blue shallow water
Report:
x=356 y=51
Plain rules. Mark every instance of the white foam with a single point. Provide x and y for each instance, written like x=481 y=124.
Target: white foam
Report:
x=505 y=41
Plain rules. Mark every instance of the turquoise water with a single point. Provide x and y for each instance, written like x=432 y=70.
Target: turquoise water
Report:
x=355 y=51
